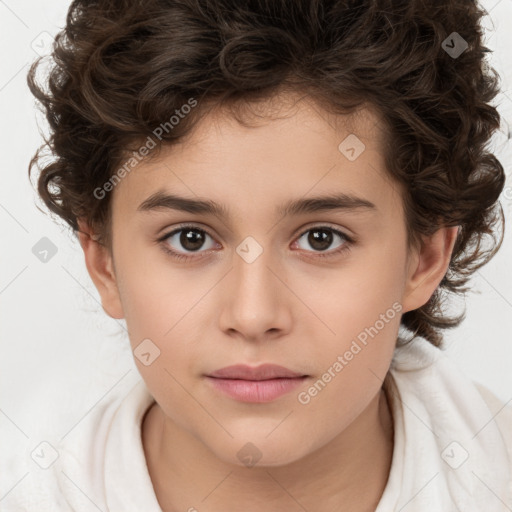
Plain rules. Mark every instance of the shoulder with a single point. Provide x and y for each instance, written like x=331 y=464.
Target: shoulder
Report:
x=87 y=455
x=451 y=427
x=80 y=466
x=501 y=413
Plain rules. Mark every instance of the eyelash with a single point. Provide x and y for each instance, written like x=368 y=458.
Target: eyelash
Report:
x=349 y=241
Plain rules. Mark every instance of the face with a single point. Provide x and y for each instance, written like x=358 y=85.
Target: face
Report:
x=318 y=289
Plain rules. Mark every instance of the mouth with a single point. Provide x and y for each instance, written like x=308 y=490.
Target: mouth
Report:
x=255 y=384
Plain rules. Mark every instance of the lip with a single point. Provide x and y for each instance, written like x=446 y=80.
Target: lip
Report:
x=261 y=372
x=259 y=384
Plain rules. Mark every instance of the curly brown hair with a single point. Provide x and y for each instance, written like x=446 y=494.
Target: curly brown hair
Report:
x=121 y=68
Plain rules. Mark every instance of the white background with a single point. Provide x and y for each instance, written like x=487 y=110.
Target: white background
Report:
x=60 y=351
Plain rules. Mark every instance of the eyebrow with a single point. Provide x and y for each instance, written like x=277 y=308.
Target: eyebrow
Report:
x=163 y=201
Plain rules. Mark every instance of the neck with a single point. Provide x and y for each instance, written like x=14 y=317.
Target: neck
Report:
x=350 y=472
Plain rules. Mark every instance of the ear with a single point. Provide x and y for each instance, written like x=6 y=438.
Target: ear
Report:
x=98 y=261
x=427 y=267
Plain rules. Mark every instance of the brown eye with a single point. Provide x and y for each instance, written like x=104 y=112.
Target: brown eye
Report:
x=187 y=239
x=321 y=238
x=192 y=239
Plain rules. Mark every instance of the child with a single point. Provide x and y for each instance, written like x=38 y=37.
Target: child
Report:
x=278 y=196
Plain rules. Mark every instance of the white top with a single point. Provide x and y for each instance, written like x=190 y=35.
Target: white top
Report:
x=452 y=448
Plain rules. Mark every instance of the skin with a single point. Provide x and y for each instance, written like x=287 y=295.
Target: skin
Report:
x=290 y=307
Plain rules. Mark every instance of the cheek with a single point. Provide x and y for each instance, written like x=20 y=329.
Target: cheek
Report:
x=156 y=296
x=164 y=306
x=353 y=359
x=359 y=305
x=159 y=316
x=356 y=294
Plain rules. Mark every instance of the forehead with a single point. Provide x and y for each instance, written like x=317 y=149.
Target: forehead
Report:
x=299 y=151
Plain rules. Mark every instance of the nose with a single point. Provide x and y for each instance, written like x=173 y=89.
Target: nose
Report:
x=256 y=302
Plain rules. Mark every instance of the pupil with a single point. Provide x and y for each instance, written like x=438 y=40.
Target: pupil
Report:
x=191 y=239
x=320 y=241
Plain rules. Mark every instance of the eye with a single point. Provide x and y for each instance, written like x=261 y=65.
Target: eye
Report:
x=186 y=240
x=321 y=238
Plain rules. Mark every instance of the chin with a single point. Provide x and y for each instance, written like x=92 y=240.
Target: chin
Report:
x=258 y=451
